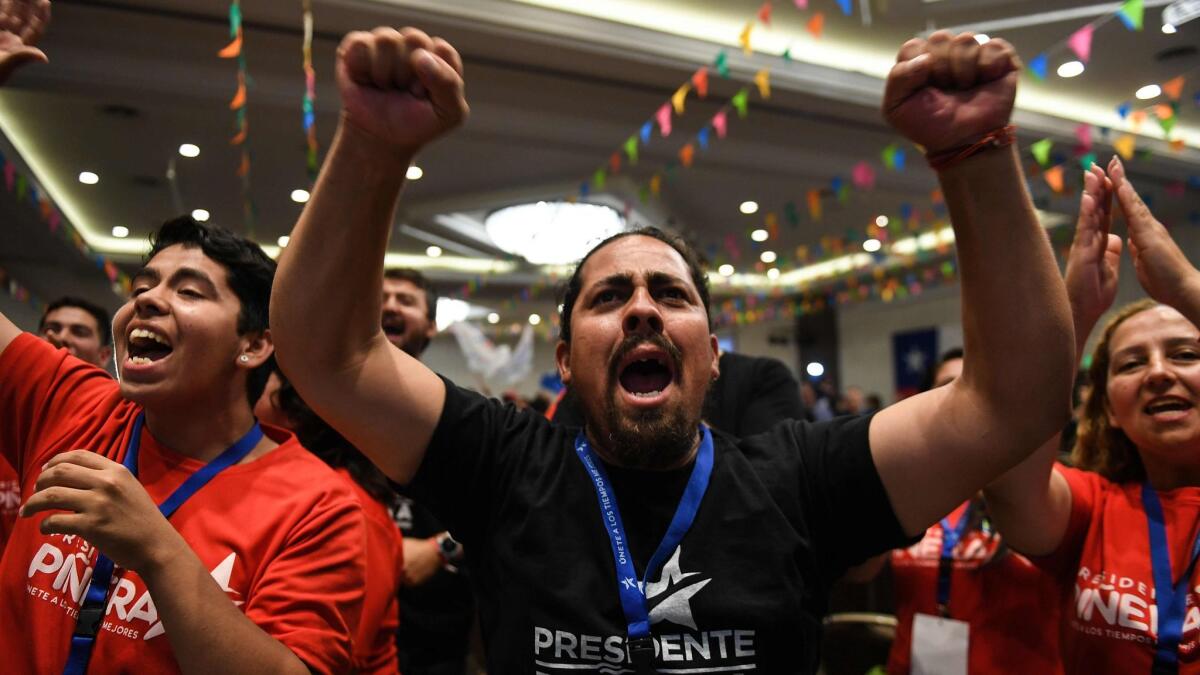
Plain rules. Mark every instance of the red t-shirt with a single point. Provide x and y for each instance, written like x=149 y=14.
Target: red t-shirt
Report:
x=1106 y=577
x=1007 y=602
x=375 y=640
x=283 y=535
x=10 y=501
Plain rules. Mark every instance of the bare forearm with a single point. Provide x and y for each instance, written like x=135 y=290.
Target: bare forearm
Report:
x=1017 y=330
x=326 y=302
x=208 y=634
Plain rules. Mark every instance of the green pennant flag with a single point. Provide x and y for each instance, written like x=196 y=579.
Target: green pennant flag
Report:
x=843 y=193
x=1131 y=14
x=644 y=194
x=1167 y=124
x=792 y=215
x=1087 y=161
x=21 y=187
x=739 y=101
x=1041 y=151
x=889 y=156
x=721 y=64
x=787 y=54
x=599 y=178
x=631 y=149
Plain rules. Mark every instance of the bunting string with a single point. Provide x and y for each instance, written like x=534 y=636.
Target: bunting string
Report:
x=235 y=50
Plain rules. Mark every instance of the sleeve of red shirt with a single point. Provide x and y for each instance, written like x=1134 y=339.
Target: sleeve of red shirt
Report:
x=309 y=597
x=40 y=388
x=1084 y=486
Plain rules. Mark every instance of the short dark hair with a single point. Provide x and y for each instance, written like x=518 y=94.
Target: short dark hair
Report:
x=103 y=321
x=419 y=280
x=250 y=274
x=574 y=285
x=948 y=355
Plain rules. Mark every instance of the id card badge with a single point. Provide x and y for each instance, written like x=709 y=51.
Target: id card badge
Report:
x=939 y=645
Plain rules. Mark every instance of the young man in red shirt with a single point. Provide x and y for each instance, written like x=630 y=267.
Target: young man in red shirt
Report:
x=162 y=529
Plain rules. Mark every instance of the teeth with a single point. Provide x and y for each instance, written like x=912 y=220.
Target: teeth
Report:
x=140 y=360
x=147 y=335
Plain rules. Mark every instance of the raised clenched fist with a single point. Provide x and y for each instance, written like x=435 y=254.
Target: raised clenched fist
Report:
x=21 y=24
x=401 y=86
x=949 y=90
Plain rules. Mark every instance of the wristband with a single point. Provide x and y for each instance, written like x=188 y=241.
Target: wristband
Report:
x=997 y=138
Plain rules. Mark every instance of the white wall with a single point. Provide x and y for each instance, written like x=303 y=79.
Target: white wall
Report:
x=755 y=340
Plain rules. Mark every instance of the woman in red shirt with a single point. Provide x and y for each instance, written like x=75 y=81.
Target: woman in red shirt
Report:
x=1121 y=532
x=374 y=651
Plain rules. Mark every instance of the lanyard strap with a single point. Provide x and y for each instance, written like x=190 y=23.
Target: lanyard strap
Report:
x=951 y=535
x=630 y=587
x=1170 y=597
x=91 y=611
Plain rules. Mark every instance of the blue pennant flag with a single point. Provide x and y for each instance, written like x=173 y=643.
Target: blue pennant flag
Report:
x=846 y=6
x=647 y=129
x=702 y=138
x=1124 y=109
x=1038 y=66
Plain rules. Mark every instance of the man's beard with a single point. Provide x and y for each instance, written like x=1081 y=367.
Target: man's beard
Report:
x=659 y=438
x=395 y=329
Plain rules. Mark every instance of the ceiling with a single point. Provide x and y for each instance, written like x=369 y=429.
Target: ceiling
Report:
x=555 y=87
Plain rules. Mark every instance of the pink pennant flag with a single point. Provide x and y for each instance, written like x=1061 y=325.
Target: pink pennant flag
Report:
x=1083 y=134
x=801 y=4
x=664 y=119
x=718 y=123
x=10 y=175
x=1080 y=42
x=863 y=176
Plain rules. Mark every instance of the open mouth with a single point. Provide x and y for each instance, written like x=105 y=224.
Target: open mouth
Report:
x=393 y=326
x=147 y=346
x=1167 y=406
x=646 y=374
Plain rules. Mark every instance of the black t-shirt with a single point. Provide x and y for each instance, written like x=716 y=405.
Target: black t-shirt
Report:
x=785 y=514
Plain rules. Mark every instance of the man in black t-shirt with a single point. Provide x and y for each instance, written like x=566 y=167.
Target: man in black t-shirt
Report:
x=647 y=542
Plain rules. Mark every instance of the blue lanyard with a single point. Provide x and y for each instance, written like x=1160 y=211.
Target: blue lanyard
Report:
x=951 y=535
x=630 y=587
x=91 y=612
x=1170 y=597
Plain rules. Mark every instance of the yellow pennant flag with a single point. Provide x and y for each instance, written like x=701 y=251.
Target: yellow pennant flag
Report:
x=763 y=79
x=744 y=38
x=1124 y=146
x=655 y=184
x=678 y=98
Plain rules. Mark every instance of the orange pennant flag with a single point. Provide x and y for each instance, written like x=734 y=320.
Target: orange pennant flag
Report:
x=1164 y=111
x=239 y=99
x=1173 y=88
x=814 y=204
x=1136 y=118
x=763 y=79
x=772 y=223
x=678 y=98
x=744 y=38
x=816 y=25
x=244 y=167
x=614 y=162
x=1054 y=178
x=233 y=49
x=700 y=81
x=655 y=184
x=685 y=155
x=239 y=138
x=1177 y=145
x=1124 y=146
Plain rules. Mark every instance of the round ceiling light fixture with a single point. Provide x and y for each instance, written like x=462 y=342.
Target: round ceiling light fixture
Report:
x=552 y=233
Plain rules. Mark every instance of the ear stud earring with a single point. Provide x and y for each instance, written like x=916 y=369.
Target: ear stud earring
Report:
x=244 y=359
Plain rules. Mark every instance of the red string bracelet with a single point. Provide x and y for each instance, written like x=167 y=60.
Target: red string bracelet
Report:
x=996 y=138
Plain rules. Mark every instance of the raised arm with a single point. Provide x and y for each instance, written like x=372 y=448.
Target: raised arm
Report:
x=1162 y=269
x=1031 y=504
x=400 y=90
x=936 y=449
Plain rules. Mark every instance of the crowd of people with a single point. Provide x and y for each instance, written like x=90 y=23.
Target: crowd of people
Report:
x=261 y=492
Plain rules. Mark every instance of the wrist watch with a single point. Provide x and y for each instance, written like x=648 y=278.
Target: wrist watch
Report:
x=450 y=550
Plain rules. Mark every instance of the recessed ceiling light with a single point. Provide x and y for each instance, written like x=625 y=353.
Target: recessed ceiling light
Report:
x=767 y=257
x=872 y=245
x=120 y=231
x=299 y=196
x=1070 y=69
x=414 y=172
x=189 y=150
x=725 y=270
x=748 y=207
x=982 y=38
x=534 y=319
x=1148 y=91
x=433 y=251
x=88 y=178
x=283 y=241
x=773 y=273
x=1169 y=28
x=882 y=221
x=759 y=235
x=200 y=215
x=493 y=318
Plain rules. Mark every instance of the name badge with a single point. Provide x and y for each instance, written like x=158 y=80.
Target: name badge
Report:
x=939 y=645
